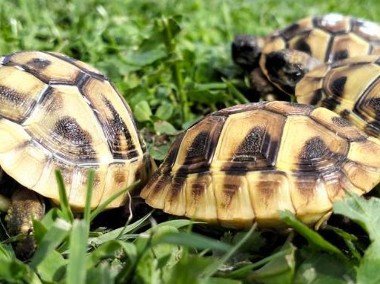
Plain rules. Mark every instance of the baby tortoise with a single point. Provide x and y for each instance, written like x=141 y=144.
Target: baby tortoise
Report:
x=319 y=39
x=243 y=164
x=58 y=113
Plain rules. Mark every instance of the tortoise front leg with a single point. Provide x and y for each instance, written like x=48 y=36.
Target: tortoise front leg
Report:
x=25 y=206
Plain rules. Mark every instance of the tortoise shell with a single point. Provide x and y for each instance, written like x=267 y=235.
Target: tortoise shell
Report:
x=57 y=113
x=328 y=38
x=245 y=163
x=349 y=87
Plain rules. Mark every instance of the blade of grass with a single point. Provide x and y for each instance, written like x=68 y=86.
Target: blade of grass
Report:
x=167 y=24
x=52 y=239
x=65 y=207
x=311 y=236
x=241 y=99
x=193 y=240
x=90 y=185
x=211 y=269
x=104 y=205
x=76 y=268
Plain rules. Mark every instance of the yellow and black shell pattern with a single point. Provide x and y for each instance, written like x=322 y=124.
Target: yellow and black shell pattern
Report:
x=57 y=113
x=350 y=87
x=245 y=163
x=328 y=38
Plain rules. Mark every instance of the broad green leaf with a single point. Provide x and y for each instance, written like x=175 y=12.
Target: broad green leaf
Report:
x=6 y=251
x=148 y=258
x=142 y=111
x=164 y=127
x=368 y=270
x=364 y=212
x=103 y=273
x=208 y=96
x=323 y=268
x=312 y=236
x=14 y=271
x=279 y=270
x=111 y=249
x=146 y=58
x=164 y=111
x=52 y=268
x=146 y=271
x=186 y=271
x=159 y=153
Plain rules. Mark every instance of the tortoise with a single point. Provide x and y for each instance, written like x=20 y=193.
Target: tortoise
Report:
x=323 y=39
x=243 y=164
x=58 y=113
x=348 y=87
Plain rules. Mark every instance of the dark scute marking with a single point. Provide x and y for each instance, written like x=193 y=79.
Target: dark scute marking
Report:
x=69 y=129
x=290 y=31
x=158 y=182
x=341 y=122
x=317 y=96
x=197 y=190
x=176 y=187
x=118 y=128
x=337 y=86
x=307 y=187
x=38 y=63
x=251 y=147
x=303 y=46
x=314 y=148
x=229 y=191
x=10 y=95
x=374 y=103
x=330 y=103
x=173 y=151
x=345 y=113
x=340 y=54
x=266 y=189
x=198 y=148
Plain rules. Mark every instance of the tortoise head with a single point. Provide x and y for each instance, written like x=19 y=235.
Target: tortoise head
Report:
x=246 y=50
x=286 y=67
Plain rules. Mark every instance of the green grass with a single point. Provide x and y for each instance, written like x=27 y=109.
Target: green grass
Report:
x=171 y=61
